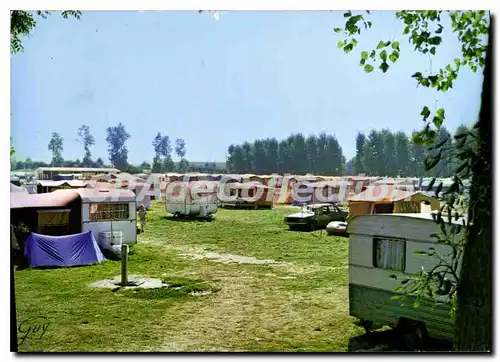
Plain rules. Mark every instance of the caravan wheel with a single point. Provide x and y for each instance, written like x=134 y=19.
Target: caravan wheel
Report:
x=367 y=325
x=414 y=334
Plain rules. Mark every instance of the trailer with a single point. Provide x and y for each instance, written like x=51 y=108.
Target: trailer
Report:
x=383 y=245
x=194 y=198
x=109 y=213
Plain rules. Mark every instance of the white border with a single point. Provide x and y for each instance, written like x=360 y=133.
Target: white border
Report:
x=194 y=5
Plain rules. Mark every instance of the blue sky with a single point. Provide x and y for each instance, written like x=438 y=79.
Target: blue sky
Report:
x=248 y=75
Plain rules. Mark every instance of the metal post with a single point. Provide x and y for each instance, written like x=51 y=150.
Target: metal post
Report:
x=124 y=281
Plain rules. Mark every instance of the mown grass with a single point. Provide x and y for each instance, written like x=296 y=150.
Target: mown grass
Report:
x=301 y=305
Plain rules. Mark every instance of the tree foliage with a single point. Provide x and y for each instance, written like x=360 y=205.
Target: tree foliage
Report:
x=296 y=154
x=56 y=147
x=118 y=152
x=180 y=147
x=470 y=296
x=88 y=141
x=23 y=22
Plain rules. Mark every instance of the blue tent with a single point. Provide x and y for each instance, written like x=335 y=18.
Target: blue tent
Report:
x=68 y=250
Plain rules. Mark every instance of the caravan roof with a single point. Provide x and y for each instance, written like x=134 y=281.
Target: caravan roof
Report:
x=108 y=195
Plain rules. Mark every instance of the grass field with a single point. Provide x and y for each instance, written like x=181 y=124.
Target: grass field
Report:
x=295 y=301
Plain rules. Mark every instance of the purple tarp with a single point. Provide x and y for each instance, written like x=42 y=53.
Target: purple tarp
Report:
x=69 y=250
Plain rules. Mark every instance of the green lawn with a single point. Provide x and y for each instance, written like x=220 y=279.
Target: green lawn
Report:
x=300 y=304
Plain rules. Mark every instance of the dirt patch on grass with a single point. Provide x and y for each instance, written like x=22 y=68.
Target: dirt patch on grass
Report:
x=231 y=258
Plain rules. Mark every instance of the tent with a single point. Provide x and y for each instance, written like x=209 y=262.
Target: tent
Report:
x=68 y=250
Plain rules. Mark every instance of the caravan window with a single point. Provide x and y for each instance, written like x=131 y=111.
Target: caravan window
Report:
x=389 y=253
x=103 y=211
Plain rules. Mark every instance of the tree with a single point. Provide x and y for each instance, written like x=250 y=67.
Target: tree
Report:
x=373 y=154
x=23 y=22
x=389 y=150
x=145 y=166
x=235 y=161
x=88 y=141
x=311 y=150
x=180 y=147
x=259 y=157
x=335 y=160
x=183 y=165
x=157 y=165
x=28 y=163
x=358 y=162
x=417 y=158
x=99 y=163
x=402 y=164
x=471 y=293
x=117 y=149
x=168 y=164
x=56 y=147
x=247 y=150
x=271 y=155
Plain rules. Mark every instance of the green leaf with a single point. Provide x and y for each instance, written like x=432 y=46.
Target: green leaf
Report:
x=364 y=54
x=395 y=45
x=340 y=44
x=380 y=44
x=387 y=43
x=383 y=55
x=429 y=187
x=348 y=48
x=337 y=30
x=439 y=188
x=368 y=68
x=369 y=24
x=417 y=75
x=437 y=121
x=433 y=50
x=430 y=162
x=393 y=276
x=384 y=66
x=457 y=62
x=396 y=297
x=417 y=139
x=394 y=56
x=416 y=303
x=348 y=14
x=425 y=112
x=440 y=113
x=373 y=54
x=362 y=62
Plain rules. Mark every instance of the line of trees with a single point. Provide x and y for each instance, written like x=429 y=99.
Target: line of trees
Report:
x=379 y=153
x=394 y=154
x=296 y=154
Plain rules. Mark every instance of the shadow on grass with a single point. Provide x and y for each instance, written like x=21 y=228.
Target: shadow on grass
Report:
x=188 y=218
x=391 y=340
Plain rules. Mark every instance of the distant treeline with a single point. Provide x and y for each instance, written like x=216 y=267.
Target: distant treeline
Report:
x=321 y=155
x=380 y=153
x=117 y=138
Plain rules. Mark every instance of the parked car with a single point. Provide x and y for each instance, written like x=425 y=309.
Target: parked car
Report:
x=315 y=216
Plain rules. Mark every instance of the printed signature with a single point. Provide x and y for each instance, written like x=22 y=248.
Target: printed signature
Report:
x=34 y=327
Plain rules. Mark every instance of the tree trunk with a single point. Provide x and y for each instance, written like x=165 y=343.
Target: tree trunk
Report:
x=474 y=310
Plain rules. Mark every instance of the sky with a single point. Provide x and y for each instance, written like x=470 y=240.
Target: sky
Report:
x=246 y=76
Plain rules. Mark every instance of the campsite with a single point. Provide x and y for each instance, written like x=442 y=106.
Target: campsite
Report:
x=272 y=290
x=241 y=281
x=250 y=181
